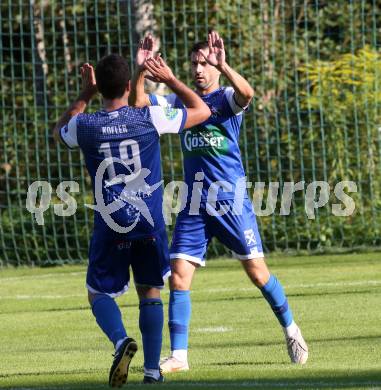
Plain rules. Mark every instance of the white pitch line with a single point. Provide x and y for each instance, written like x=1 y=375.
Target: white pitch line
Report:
x=218 y=329
x=26 y=297
x=210 y=290
x=337 y=284
x=289 y=286
x=44 y=276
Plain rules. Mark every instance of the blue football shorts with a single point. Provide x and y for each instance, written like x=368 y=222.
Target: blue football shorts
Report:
x=111 y=255
x=238 y=231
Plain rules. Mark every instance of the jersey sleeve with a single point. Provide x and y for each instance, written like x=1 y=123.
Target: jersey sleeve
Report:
x=68 y=133
x=234 y=106
x=163 y=101
x=167 y=119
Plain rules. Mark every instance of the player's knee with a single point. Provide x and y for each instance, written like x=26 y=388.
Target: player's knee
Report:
x=93 y=297
x=259 y=279
x=147 y=292
x=257 y=271
x=258 y=276
x=178 y=282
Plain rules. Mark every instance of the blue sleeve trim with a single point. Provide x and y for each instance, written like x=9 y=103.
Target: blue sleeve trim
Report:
x=178 y=103
x=153 y=100
x=185 y=116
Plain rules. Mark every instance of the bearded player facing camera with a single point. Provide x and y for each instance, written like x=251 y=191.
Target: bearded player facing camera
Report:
x=216 y=167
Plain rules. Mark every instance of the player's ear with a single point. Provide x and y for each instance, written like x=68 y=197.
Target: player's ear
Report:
x=128 y=87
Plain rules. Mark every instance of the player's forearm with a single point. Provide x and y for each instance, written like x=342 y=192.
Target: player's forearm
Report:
x=197 y=110
x=243 y=90
x=77 y=107
x=137 y=96
x=189 y=98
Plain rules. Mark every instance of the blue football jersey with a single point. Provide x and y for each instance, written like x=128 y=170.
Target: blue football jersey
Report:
x=212 y=147
x=122 y=154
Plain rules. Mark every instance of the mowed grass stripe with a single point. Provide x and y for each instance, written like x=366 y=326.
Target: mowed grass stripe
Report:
x=235 y=341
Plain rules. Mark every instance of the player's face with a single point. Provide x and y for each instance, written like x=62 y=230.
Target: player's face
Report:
x=203 y=74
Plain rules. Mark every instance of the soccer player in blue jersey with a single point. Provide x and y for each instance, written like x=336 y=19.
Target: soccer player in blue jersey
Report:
x=218 y=204
x=121 y=148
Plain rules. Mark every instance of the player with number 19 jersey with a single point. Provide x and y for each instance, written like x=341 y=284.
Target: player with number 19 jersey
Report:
x=126 y=139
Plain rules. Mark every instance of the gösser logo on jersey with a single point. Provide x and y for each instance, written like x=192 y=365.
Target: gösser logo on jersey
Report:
x=205 y=140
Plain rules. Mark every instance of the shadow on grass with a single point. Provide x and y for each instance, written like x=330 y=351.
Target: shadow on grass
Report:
x=281 y=342
x=210 y=346
x=249 y=297
x=308 y=261
x=62 y=309
x=300 y=378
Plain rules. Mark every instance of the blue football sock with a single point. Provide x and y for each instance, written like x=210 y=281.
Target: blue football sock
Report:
x=109 y=317
x=151 y=321
x=274 y=294
x=179 y=318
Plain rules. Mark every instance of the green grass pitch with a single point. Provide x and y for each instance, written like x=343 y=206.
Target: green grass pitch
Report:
x=49 y=339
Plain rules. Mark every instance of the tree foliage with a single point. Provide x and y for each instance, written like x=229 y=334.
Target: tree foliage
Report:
x=315 y=68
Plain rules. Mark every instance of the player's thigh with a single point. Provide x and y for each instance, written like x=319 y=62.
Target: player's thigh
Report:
x=150 y=260
x=238 y=231
x=190 y=239
x=182 y=272
x=109 y=261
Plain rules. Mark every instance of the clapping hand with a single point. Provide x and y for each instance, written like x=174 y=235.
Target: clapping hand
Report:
x=216 y=55
x=145 y=51
x=89 y=84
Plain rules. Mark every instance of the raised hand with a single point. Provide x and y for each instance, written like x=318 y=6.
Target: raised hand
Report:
x=216 y=55
x=145 y=50
x=89 y=84
x=160 y=72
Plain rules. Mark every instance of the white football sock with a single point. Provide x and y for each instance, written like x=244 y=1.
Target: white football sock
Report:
x=152 y=373
x=180 y=354
x=118 y=343
x=291 y=329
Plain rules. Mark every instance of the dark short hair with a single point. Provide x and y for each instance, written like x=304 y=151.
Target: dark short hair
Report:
x=199 y=46
x=112 y=74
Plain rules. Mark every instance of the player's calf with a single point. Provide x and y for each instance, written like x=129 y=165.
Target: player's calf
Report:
x=275 y=296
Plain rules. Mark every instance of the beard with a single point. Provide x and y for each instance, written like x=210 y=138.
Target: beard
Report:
x=202 y=84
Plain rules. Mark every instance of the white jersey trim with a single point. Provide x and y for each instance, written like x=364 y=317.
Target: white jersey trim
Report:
x=111 y=295
x=68 y=133
x=254 y=255
x=167 y=119
x=169 y=100
x=193 y=259
x=162 y=101
x=236 y=108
